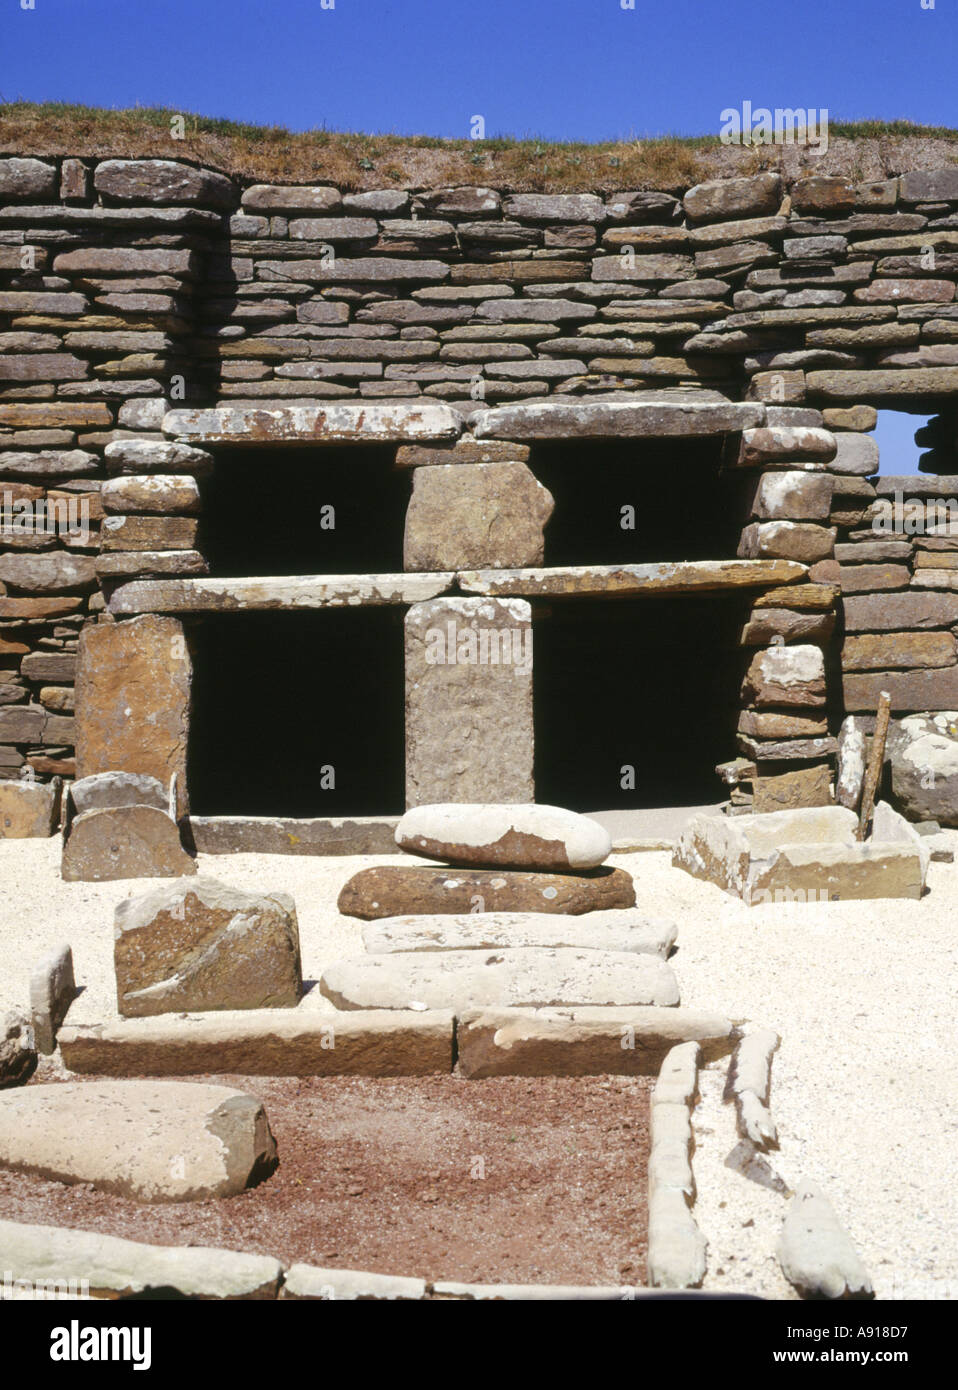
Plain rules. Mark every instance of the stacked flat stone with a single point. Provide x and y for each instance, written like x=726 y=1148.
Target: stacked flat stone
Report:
x=495 y=955
x=128 y=286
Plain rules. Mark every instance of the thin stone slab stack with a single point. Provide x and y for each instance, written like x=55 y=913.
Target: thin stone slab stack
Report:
x=501 y=955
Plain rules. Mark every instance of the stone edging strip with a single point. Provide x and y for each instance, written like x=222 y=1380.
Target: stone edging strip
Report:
x=748 y=1084
x=816 y=1253
x=677 y=1248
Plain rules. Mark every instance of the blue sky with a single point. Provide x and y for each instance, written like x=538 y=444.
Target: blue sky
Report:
x=559 y=69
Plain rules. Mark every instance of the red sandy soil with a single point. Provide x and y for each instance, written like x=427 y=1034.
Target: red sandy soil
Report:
x=384 y=1175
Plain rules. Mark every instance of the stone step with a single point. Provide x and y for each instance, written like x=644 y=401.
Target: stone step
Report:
x=525 y=976
x=475 y=931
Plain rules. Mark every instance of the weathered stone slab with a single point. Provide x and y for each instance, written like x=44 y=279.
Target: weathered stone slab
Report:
x=189 y=948
x=29 y=810
x=464 y=450
x=909 y=690
x=267 y=1042
x=477 y=931
x=155 y=456
x=487 y=514
x=236 y=595
x=893 y=612
x=691 y=577
x=52 y=990
x=133 y=699
x=163 y=181
x=274 y=197
x=887 y=651
x=154 y=1141
x=18 y=1050
x=521 y=976
x=815 y=1252
x=807 y=786
x=583 y=1041
x=555 y=207
x=48 y=574
x=394 y=891
x=315 y=424
x=773 y=444
x=801 y=541
x=724 y=199
x=469 y=730
x=786 y=676
x=125 y=842
x=656 y=418
x=51 y=1257
x=335 y=1285
x=503 y=836
x=285 y=835
x=154 y=493
x=792 y=496
x=924 y=766
x=26 y=178
x=105 y=790
x=851 y=764
x=884 y=383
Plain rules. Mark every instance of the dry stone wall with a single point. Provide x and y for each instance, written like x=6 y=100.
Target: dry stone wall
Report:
x=130 y=287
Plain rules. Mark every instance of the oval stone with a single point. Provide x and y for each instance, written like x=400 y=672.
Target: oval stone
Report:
x=503 y=836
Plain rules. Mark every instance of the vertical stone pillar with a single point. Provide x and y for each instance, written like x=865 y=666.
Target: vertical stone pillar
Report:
x=133 y=699
x=469 y=733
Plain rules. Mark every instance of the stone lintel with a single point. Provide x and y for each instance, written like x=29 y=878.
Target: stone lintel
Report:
x=290 y=592
x=315 y=424
x=691 y=577
x=658 y=417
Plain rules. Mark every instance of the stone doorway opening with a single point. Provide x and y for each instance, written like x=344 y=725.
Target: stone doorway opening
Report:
x=297 y=714
x=282 y=510
x=636 y=700
x=640 y=500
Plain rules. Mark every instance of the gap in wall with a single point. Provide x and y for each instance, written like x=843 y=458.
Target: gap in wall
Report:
x=651 y=683
x=684 y=507
x=278 y=697
x=266 y=511
x=898 y=453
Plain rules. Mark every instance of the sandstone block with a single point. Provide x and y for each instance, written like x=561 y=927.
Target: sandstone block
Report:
x=308 y=1282
x=791 y=443
x=792 y=496
x=29 y=810
x=271 y=197
x=583 y=1041
x=512 y=837
x=730 y=198
x=52 y=990
x=909 y=690
x=390 y=891
x=26 y=178
x=469 y=734
x=891 y=650
x=487 y=514
x=133 y=699
x=163 y=181
x=48 y=574
x=151 y=493
x=807 y=786
x=124 y=842
x=476 y=931
x=155 y=456
x=802 y=541
x=518 y=976
x=154 y=1141
x=189 y=948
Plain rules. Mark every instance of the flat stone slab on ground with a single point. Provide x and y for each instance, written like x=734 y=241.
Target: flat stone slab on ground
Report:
x=203 y=945
x=309 y=1282
x=155 y=1141
x=388 y=891
x=523 y=976
x=265 y=1042
x=477 y=931
x=124 y=842
x=53 y=1256
x=525 y=836
x=583 y=1041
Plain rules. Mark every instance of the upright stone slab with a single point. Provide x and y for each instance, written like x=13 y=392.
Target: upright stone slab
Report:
x=133 y=699
x=489 y=514
x=469 y=734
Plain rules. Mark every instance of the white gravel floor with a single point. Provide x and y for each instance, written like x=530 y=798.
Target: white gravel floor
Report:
x=865 y=996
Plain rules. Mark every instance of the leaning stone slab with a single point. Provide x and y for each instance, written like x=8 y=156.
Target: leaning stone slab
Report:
x=521 y=976
x=155 y=1141
x=54 y=1257
x=29 y=810
x=690 y=577
x=525 y=836
x=816 y=1253
x=478 y=931
x=124 y=842
x=106 y=790
x=583 y=1041
x=185 y=948
x=52 y=990
x=657 y=417
x=337 y=1285
x=18 y=1052
x=315 y=424
x=267 y=1042
x=388 y=891
x=236 y=595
